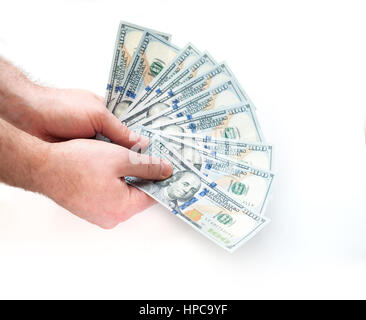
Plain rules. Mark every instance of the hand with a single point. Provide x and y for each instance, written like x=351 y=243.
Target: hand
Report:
x=86 y=177
x=62 y=114
x=54 y=114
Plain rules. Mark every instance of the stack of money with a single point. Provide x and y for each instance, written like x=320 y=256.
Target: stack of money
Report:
x=200 y=119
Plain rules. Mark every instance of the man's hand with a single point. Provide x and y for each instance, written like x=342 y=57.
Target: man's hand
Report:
x=70 y=113
x=55 y=114
x=63 y=114
x=84 y=176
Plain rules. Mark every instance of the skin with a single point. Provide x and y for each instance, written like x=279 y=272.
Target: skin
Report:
x=44 y=148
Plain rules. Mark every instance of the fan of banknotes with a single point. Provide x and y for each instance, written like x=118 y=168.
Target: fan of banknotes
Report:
x=199 y=118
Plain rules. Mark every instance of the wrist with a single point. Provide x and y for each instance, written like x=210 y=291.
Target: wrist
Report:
x=39 y=166
x=32 y=112
x=21 y=100
x=20 y=107
x=36 y=98
x=23 y=160
x=49 y=171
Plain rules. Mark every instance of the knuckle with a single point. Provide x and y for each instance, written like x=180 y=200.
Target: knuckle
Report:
x=99 y=98
x=129 y=158
x=123 y=218
x=102 y=113
x=92 y=95
x=150 y=169
x=125 y=130
x=108 y=225
x=160 y=169
x=105 y=226
x=155 y=170
x=123 y=213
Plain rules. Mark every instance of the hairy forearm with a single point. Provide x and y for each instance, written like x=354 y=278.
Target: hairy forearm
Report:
x=20 y=99
x=22 y=158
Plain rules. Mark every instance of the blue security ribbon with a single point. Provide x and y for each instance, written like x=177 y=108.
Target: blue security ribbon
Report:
x=193 y=127
x=203 y=192
x=130 y=94
x=188 y=203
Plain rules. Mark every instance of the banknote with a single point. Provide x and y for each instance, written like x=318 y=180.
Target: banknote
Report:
x=212 y=78
x=203 y=64
x=225 y=94
x=127 y=40
x=185 y=91
x=248 y=184
x=199 y=201
x=234 y=122
x=150 y=58
x=255 y=154
x=184 y=58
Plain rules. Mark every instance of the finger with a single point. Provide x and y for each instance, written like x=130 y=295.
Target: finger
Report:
x=98 y=97
x=137 y=201
x=118 y=133
x=146 y=167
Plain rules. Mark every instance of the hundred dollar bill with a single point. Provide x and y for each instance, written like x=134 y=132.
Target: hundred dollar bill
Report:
x=199 y=201
x=212 y=78
x=256 y=154
x=150 y=58
x=203 y=64
x=227 y=93
x=127 y=40
x=235 y=122
x=180 y=94
x=186 y=56
x=248 y=184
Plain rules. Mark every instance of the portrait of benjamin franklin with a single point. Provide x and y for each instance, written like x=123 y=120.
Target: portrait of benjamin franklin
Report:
x=180 y=187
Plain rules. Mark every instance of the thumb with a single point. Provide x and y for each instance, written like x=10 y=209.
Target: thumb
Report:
x=146 y=167
x=118 y=133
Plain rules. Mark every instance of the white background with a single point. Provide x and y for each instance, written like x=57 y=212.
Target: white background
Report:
x=303 y=65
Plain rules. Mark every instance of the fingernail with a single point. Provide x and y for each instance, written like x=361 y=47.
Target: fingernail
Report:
x=144 y=141
x=133 y=136
x=167 y=169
